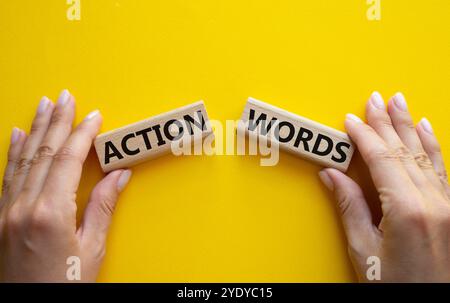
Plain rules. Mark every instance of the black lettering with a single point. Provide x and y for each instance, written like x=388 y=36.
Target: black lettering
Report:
x=301 y=138
x=289 y=136
x=190 y=120
x=125 y=146
x=157 y=130
x=262 y=118
x=343 y=155
x=167 y=130
x=111 y=151
x=319 y=139
x=144 y=134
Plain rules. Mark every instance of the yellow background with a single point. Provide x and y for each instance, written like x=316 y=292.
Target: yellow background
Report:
x=224 y=218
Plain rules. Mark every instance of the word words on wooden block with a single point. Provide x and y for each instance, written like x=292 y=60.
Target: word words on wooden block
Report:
x=306 y=138
x=150 y=138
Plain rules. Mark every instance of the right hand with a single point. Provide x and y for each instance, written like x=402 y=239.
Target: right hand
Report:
x=406 y=165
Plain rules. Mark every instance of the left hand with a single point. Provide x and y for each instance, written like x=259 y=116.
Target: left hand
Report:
x=39 y=239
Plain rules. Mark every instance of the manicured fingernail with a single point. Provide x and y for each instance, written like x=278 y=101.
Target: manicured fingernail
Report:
x=123 y=180
x=326 y=180
x=400 y=102
x=43 y=105
x=354 y=118
x=426 y=125
x=92 y=115
x=377 y=100
x=64 y=97
x=15 y=135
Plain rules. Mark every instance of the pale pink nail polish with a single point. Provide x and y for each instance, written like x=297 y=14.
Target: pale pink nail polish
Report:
x=400 y=102
x=377 y=100
x=123 y=180
x=92 y=115
x=15 y=135
x=354 y=118
x=43 y=105
x=64 y=97
x=426 y=125
x=326 y=180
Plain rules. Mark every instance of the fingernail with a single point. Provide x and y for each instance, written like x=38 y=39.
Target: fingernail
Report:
x=63 y=97
x=15 y=135
x=43 y=105
x=326 y=180
x=92 y=115
x=400 y=102
x=377 y=100
x=354 y=118
x=123 y=180
x=426 y=125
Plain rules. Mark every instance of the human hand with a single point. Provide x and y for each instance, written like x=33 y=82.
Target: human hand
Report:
x=38 y=231
x=406 y=165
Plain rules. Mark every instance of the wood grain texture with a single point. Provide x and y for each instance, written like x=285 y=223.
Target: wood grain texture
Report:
x=301 y=136
x=152 y=137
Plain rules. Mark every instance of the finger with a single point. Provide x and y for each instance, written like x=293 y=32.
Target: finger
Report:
x=385 y=168
x=433 y=149
x=404 y=126
x=17 y=142
x=65 y=171
x=380 y=121
x=353 y=208
x=97 y=217
x=38 y=129
x=58 y=131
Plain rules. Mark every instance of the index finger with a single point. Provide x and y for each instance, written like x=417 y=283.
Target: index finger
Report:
x=384 y=165
x=65 y=173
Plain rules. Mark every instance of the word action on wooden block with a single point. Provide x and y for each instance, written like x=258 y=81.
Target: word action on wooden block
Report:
x=301 y=136
x=150 y=138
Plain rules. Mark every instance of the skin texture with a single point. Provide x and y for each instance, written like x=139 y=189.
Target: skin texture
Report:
x=38 y=231
x=407 y=168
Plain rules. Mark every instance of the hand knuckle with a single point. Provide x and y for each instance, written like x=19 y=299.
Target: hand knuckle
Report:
x=106 y=204
x=416 y=217
x=58 y=118
x=36 y=126
x=376 y=156
x=403 y=154
x=43 y=154
x=344 y=201
x=6 y=184
x=65 y=154
x=14 y=219
x=408 y=123
x=423 y=161
x=12 y=158
x=435 y=148
x=23 y=166
x=368 y=130
x=383 y=122
x=42 y=217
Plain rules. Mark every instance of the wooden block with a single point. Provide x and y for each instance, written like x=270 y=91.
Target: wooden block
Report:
x=301 y=136
x=150 y=138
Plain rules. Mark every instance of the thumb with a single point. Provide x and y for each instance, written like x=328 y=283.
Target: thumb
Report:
x=99 y=210
x=355 y=213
